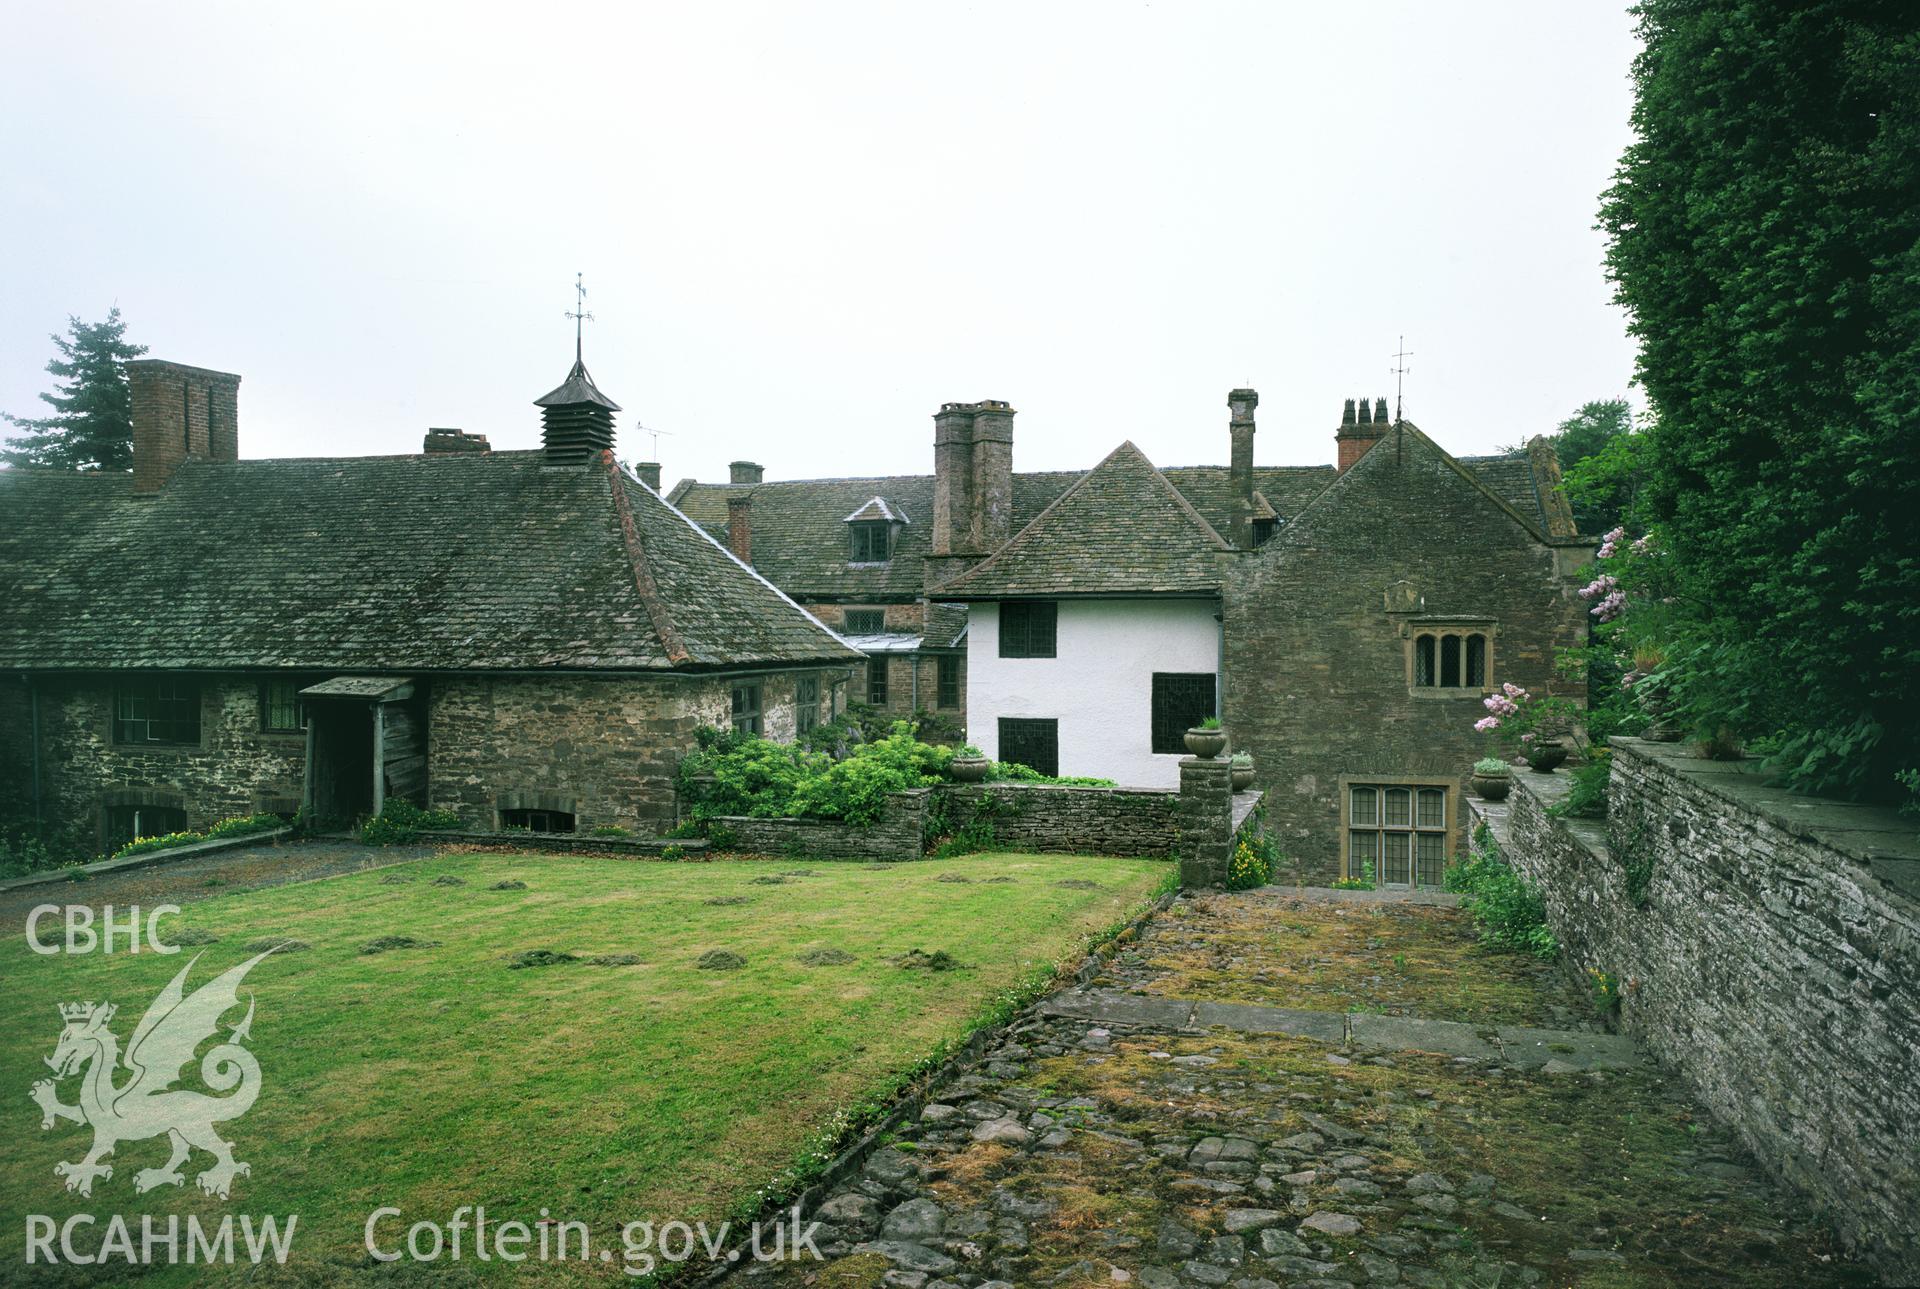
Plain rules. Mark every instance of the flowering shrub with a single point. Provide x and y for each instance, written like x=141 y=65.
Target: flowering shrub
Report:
x=1250 y=866
x=1519 y=718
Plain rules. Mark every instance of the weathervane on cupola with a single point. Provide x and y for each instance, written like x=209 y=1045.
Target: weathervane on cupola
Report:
x=576 y=419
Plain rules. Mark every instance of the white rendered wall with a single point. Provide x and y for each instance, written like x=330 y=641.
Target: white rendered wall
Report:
x=1099 y=687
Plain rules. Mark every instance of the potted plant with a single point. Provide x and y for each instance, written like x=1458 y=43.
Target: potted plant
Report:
x=1242 y=771
x=1545 y=752
x=1207 y=739
x=968 y=765
x=1490 y=779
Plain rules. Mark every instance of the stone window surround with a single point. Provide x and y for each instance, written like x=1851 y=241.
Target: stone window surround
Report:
x=1411 y=629
x=1348 y=782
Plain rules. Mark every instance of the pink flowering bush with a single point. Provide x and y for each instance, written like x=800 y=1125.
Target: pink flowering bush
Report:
x=1518 y=718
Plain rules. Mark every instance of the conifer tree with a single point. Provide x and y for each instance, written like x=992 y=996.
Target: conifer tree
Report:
x=92 y=423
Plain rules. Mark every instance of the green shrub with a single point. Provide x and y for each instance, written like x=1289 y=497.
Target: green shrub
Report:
x=245 y=825
x=610 y=830
x=401 y=821
x=1491 y=766
x=1510 y=913
x=1364 y=882
x=1587 y=797
x=1014 y=772
x=1251 y=865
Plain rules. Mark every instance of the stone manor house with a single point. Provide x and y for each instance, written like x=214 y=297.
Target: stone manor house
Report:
x=1345 y=620
x=531 y=638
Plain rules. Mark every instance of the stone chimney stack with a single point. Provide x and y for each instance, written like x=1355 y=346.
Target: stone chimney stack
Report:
x=649 y=472
x=744 y=474
x=740 y=525
x=442 y=441
x=180 y=412
x=953 y=479
x=1360 y=431
x=992 y=475
x=1240 y=472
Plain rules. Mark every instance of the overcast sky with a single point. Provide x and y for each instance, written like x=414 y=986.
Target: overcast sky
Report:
x=805 y=226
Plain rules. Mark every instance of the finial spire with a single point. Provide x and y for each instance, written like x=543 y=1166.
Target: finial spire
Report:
x=579 y=312
x=1400 y=376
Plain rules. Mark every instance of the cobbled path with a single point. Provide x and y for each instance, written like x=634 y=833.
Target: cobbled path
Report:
x=1120 y=1136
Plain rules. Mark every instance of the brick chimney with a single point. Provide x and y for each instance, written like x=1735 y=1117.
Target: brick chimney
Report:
x=1359 y=430
x=180 y=412
x=744 y=474
x=740 y=525
x=446 y=441
x=1240 y=473
x=649 y=472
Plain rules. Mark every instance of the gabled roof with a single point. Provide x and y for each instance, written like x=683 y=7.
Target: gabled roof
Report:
x=456 y=562
x=1122 y=529
x=877 y=509
x=800 y=541
x=1508 y=468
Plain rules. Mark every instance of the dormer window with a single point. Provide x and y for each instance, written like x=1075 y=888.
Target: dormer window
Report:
x=870 y=532
x=872 y=543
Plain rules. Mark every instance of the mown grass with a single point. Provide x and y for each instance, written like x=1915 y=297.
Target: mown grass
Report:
x=430 y=1078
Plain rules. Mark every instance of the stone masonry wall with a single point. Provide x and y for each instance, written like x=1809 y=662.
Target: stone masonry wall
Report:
x=235 y=769
x=1316 y=680
x=609 y=746
x=1775 y=961
x=1058 y=819
x=897 y=835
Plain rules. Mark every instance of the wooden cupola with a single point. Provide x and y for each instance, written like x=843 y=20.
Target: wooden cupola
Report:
x=576 y=419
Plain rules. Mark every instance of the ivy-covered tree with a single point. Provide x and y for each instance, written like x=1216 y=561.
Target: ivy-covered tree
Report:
x=92 y=423
x=1764 y=236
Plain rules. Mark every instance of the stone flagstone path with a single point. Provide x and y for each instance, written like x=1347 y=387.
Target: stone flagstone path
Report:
x=1275 y=1089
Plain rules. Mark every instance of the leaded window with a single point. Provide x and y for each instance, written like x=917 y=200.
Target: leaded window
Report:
x=746 y=709
x=806 y=703
x=872 y=542
x=160 y=709
x=1450 y=660
x=1181 y=700
x=1398 y=833
x=1028 y=628
x=865 y=622
x=947 y=693
x=1032 y=743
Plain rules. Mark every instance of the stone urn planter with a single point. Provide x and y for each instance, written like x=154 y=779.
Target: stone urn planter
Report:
x=1206 y=743
x=1242 y=772
x=968 y=768
x=1546 y=754
x=1490 y=787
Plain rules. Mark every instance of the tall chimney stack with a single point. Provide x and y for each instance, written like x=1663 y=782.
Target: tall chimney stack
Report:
x=992 y=475
x=180 y=412
x=740 y=525
x=1357 y=434
x=744 y=474
x=953 y=478
x=1240 y=474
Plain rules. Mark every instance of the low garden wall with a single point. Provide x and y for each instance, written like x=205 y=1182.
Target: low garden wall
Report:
x=1766 y=945
x=1061 y=819
x=898 y=834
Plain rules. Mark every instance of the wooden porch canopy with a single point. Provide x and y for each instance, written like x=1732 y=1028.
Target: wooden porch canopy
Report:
x=396 y=762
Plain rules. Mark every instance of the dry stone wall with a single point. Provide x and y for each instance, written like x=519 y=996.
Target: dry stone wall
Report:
x=1768 y=946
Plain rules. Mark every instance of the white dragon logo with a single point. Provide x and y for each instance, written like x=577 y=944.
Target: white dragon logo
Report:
x=162 y=1046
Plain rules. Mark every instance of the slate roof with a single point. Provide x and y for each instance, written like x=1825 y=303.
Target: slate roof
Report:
x=1123 y=529
x=447 y=562
x=800 y=540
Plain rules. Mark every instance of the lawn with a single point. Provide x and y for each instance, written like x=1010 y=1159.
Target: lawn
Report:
x=428 y=1078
